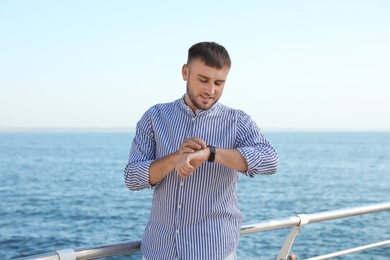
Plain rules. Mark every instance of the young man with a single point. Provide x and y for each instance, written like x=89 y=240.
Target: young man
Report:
x=191 y=152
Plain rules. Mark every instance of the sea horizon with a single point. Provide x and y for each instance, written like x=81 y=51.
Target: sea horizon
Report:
x=132 y=129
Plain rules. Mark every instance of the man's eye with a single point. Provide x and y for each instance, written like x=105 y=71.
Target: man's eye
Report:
x=203 y=80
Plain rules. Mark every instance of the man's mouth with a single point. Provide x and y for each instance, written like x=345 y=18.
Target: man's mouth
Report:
x=205 y=97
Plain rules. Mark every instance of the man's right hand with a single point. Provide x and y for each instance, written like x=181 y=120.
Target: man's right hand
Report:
x=191 y=144
x=187 y=163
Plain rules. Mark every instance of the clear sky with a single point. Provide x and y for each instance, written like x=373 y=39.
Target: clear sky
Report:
x=314 y=65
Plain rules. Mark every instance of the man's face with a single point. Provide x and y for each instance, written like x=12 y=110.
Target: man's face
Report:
x=204 y=84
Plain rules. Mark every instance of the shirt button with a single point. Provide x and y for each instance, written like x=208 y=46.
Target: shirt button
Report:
x=177 y=231
x=179 y=206
x=193 y=119
x=181 y=183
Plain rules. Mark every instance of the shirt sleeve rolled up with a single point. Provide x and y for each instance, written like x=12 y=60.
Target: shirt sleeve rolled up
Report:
x=142 y=154
x=260 y=156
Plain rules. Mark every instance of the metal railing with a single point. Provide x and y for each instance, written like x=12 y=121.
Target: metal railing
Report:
x=295 y=221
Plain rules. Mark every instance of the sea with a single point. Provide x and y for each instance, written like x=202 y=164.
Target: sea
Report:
x=61 y=190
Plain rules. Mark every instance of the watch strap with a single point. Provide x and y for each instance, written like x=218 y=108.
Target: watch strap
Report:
x=212 y=153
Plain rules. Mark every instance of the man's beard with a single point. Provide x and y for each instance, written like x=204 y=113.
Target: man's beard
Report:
x=191 y=96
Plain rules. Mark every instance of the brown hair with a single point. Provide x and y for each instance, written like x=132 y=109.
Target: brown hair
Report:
x=213 y=54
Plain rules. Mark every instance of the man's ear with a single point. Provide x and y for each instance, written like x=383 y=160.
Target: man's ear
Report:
x=185 y=72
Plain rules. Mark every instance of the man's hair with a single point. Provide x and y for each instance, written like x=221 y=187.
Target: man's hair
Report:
x=211 y=53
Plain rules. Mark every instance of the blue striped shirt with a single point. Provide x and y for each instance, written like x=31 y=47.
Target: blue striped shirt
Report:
x=197 y=217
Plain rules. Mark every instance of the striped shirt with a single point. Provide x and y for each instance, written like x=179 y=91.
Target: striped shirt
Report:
x=197 y=217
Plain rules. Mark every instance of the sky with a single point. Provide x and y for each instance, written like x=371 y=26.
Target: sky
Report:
x=296 y=65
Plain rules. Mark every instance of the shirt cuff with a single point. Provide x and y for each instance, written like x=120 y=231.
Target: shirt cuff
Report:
x=253 y=160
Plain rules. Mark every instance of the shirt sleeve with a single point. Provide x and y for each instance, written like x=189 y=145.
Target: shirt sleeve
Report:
x=142 y=154
x=260 y=156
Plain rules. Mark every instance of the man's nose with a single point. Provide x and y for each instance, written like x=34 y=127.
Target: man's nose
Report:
x=210 y=89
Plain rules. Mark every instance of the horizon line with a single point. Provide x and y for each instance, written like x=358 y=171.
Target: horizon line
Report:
x=132 y=129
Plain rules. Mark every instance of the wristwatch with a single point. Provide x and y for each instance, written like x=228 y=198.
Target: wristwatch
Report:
x=212 y=153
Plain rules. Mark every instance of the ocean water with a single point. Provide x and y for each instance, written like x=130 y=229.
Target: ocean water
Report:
x=66 y=190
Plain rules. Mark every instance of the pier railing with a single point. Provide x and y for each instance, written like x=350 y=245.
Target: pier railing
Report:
x=296 y=222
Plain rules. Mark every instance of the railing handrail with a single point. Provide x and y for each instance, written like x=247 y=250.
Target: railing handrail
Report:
x=314 y=217
x=134 y=246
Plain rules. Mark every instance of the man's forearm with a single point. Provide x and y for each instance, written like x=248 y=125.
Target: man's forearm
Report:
x=160 y=168
x=231 y=158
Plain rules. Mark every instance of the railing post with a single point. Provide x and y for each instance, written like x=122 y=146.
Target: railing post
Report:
x=66 y=254
x=285 y=250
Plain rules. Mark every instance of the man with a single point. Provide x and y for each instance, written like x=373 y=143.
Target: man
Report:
x=191 y=152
